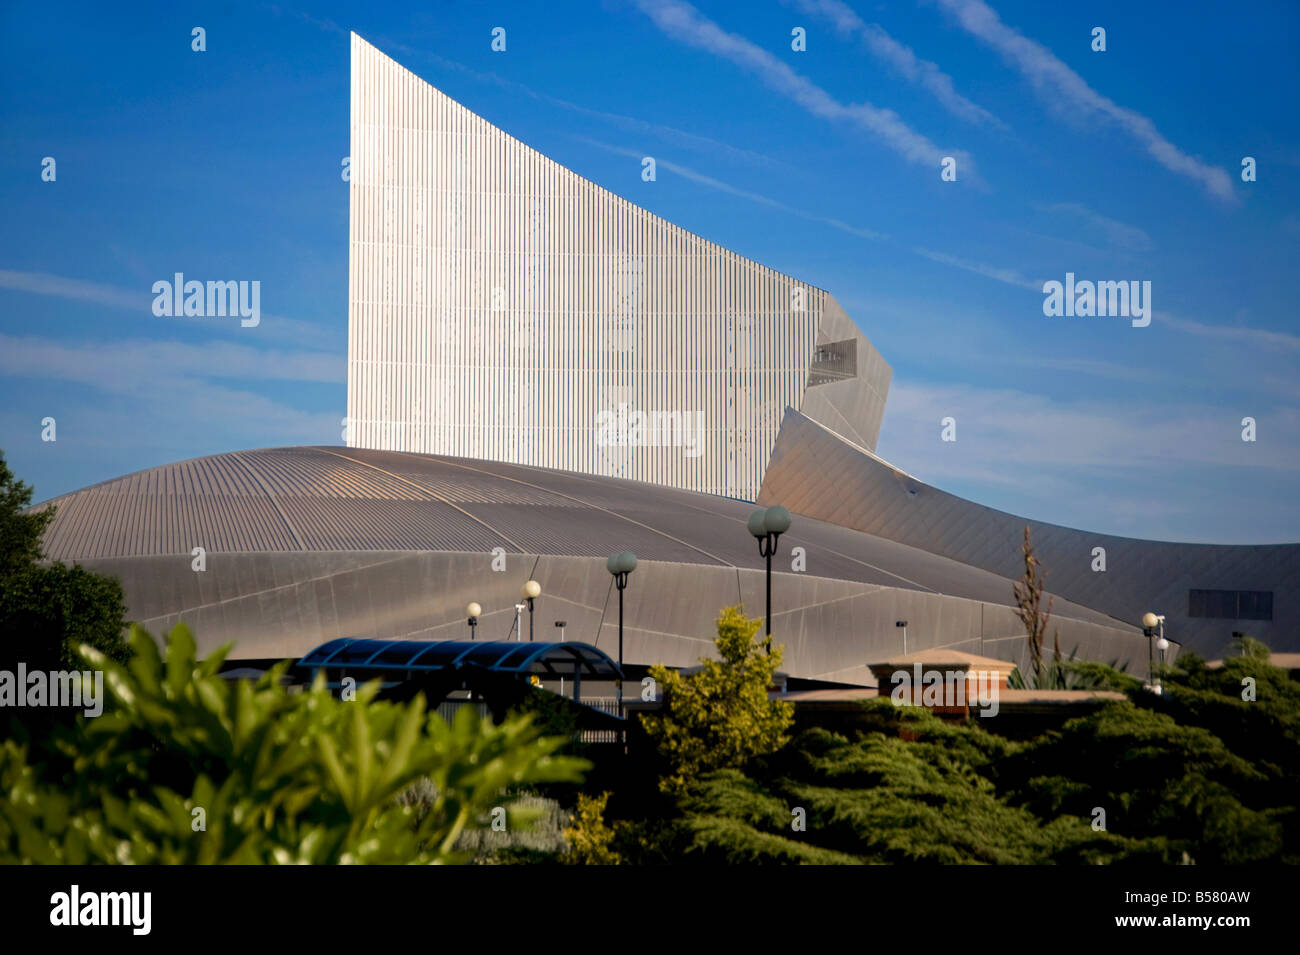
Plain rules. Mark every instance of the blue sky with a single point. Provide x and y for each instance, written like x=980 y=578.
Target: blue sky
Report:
x=1122 y=165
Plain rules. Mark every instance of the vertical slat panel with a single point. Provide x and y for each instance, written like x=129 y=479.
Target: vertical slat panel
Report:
x=603 y=302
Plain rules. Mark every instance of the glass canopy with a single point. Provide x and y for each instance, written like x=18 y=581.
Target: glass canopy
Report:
x=558 y=659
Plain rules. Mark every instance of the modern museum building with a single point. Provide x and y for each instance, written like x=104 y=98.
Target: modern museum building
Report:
x=542 y=374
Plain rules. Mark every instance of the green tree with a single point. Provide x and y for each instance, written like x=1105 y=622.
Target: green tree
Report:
x=47 y=610
x=188 y=767
x=46 y=613
x=20 y=529
x=721 y=715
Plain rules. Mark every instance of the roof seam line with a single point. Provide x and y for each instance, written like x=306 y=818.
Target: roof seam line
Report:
x=596 y=507
x=270 y=496
x=433 y=494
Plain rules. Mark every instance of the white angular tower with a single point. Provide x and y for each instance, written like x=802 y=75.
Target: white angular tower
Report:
x=502 y=307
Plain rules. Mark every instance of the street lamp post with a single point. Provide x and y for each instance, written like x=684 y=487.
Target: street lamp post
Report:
x=620 y=565
x=473 y=611
x=560 y=625
x=1153 y=625
x=767 y=525
x=532 y=590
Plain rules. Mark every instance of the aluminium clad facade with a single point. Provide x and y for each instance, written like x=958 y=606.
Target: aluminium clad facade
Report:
x=502 y=307
x=817 y=474
x=310 y=544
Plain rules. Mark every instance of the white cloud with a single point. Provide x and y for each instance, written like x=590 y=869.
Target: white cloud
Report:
x=1258 y=337
x=1057 y=84
x=666 y=133
x=1005 y=276
x=1121 y=235
x=42 y=283
x=141 y=301
x=709 y=181
x=151 y=402
x=683 y=22
x=900 y=57
x=115 y=366
x=1104 y=463
x=1004 y=431
x=669 y=134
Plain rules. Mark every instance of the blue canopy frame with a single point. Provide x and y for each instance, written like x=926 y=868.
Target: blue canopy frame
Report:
x=415 y=656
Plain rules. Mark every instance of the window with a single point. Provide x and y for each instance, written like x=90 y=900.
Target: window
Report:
x=1231 y=604
x=834 y=361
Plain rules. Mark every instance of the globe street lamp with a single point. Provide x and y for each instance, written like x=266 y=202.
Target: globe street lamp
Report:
x=767 y=525
x=1153 y=624
x=532 y=590
x=620 y=565
x=473 y=611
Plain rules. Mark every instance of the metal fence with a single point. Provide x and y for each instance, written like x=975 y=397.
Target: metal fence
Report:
x=448 y=709
x=605 y=704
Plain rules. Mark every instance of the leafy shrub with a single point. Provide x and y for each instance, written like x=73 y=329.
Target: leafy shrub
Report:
x=720 y=716
x=591 y=840
x=186 y=767
x=881 y=799
x=1153 y=777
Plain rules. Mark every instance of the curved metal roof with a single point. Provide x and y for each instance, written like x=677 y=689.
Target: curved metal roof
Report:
x=816 y=473
x=559 y=659
x=335 y=499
